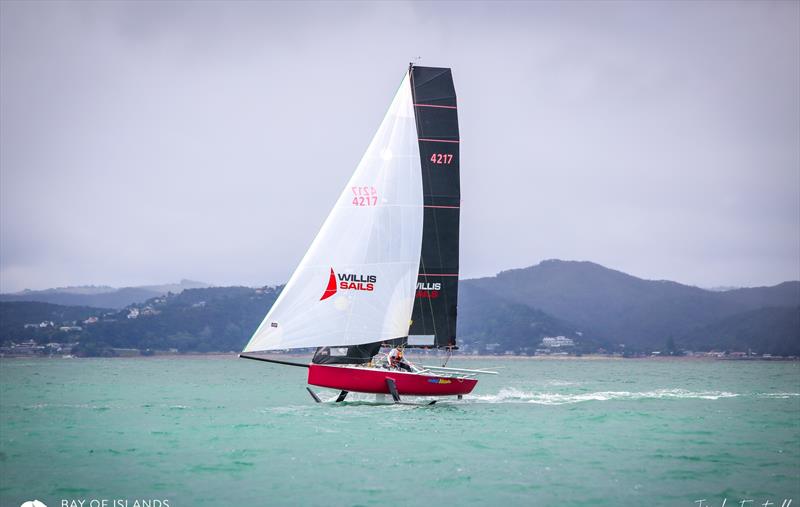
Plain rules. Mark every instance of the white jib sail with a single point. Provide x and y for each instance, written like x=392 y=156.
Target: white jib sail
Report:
x=356 y=284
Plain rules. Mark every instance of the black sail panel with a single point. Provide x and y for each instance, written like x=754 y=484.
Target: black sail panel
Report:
x=433 y=321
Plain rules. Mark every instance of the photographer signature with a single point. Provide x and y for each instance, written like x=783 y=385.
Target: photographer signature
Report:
x=787 y=502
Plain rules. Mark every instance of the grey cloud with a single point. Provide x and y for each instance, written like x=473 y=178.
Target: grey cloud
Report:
x=150 y=141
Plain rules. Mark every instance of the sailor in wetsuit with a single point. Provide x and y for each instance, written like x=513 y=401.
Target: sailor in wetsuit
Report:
x=395 y=358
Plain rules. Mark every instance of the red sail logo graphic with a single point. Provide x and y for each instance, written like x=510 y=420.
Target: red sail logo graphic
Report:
x=331 y=290
x=349 y=281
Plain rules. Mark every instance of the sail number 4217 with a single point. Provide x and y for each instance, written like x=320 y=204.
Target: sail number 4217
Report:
x=442 y=158
x=364 y=196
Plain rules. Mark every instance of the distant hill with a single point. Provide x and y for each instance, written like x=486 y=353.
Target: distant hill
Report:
x=16 y=314
x=81 y=289
x=17 y=321
x=622 y=308
x=593 y=305
x=485 y=319
x=211 y=319
x=101 y=296
x=771 y=330
x=784 y=294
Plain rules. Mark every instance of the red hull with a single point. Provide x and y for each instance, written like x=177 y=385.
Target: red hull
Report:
x=374 y=381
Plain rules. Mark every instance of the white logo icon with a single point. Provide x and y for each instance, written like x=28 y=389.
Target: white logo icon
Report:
x=33 y=503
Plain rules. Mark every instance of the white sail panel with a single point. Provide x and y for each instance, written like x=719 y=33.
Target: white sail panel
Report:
x=356 y=284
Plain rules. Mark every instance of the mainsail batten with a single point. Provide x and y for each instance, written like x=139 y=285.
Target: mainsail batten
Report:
x=356 y=284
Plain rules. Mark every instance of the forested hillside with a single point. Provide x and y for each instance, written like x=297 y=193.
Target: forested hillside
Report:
x=596 y=307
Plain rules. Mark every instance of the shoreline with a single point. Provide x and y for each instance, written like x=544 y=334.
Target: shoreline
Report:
x=422 y=358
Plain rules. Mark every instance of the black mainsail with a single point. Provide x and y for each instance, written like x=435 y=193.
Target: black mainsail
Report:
x=433 y=321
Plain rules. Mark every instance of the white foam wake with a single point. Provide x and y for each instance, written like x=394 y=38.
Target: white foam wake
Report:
x=513 y=395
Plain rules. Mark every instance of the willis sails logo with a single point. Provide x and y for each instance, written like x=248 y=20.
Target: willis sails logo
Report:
x=348 y=281
x=428 y=290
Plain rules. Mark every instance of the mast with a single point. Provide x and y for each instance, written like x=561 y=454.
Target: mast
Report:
x=436 y=115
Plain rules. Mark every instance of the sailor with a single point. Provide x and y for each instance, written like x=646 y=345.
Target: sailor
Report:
x=396 y=360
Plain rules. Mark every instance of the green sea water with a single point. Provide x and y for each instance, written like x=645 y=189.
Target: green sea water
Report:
x=221 y=431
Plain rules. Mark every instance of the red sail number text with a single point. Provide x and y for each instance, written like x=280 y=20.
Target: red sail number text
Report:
x=364 y=196
x=442 y=158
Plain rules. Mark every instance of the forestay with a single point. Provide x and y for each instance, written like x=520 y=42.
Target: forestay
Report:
x=356 y=284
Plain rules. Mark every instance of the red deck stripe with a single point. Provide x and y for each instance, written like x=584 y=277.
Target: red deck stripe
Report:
x=433 y=105
x=440 y=140
x=446 y=207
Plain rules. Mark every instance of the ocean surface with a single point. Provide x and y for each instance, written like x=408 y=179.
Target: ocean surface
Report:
x=220 y=431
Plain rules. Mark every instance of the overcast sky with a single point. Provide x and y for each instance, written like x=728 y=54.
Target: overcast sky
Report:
x=151 y=141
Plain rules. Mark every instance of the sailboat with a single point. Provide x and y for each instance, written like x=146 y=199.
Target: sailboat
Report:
x=383 y=269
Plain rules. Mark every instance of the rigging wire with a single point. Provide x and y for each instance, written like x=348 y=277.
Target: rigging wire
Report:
x=447 y=358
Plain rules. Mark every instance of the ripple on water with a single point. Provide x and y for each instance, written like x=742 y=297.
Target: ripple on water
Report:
x=66 y=491
x=234 y=466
